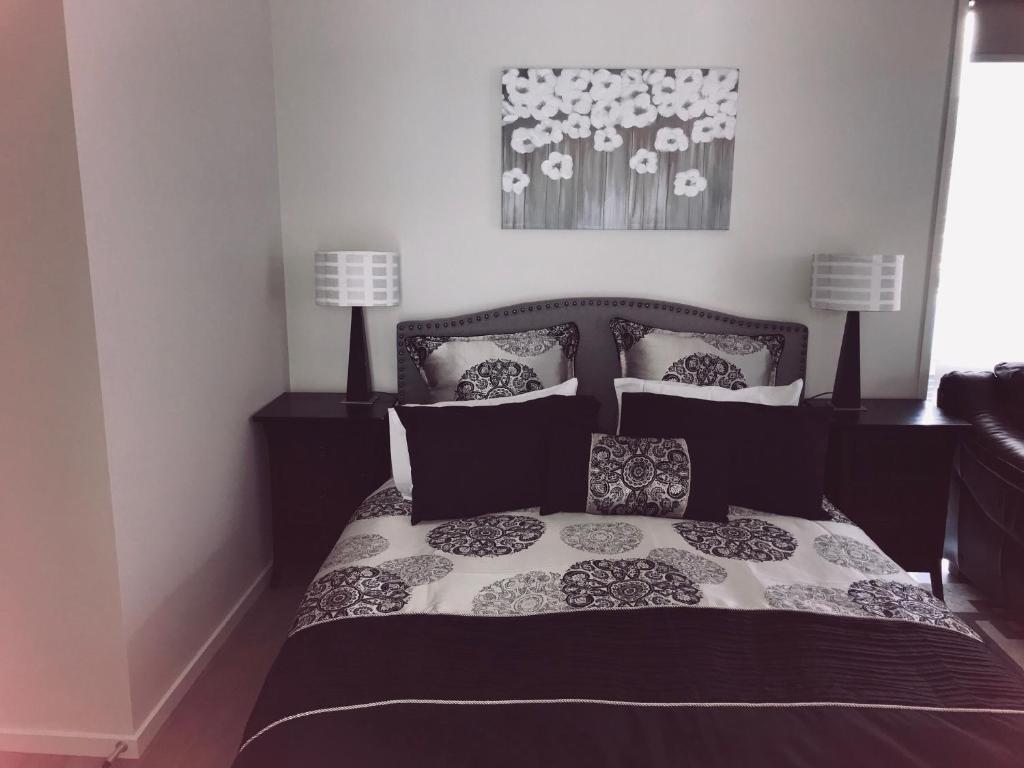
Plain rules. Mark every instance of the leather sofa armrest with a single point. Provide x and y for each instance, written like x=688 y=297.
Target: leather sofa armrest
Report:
x=1010 y=391
x=966 y=393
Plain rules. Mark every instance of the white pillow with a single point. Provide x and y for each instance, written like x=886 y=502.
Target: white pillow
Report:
x=786 y=395
x=401 y=469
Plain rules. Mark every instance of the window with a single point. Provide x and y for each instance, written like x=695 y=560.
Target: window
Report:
x=979 y=310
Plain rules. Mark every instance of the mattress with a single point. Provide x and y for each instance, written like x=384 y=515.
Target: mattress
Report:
x=574 y=639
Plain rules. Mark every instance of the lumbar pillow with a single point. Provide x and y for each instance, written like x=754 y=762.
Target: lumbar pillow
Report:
x=777 y=454
x=474 y=461
x=401 y=470
x=784 y=395
x=728 y=360
x=495 y=365
x=654 y=477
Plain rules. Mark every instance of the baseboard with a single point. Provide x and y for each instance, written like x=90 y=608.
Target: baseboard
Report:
x=102 y=744
x=60 y=742
x=153 y=722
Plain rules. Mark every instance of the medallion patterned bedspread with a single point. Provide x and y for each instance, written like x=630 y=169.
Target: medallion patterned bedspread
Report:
x=573 y=639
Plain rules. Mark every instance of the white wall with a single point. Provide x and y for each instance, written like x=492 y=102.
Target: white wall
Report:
x=388 y=137
x=174 y=111
x=58 y=569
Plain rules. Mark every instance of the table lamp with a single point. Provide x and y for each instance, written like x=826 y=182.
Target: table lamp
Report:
x=854 y=284
x=357 y=279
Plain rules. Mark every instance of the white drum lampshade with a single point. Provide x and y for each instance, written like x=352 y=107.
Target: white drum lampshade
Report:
x=357 y=279
x=854 y=284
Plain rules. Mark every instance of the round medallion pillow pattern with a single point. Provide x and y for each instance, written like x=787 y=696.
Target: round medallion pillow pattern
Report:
x=417 y=570
x=487 y=535
x=385 y=503
x=629 y=583
x=602 y=538
x=353 y=591
x=705 y=370
x=521 y=595
x=699 y=569
x=497 y=378
x=744 y=538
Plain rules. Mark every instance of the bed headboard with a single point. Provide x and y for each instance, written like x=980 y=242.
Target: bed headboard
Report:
x=597 y=361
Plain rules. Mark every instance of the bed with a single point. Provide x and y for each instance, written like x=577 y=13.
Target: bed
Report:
x=571 y=640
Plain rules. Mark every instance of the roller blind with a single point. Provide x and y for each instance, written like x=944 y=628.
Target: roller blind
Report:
x=998 y=30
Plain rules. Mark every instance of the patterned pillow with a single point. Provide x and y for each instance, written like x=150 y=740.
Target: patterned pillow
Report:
x=638 y=476
x=729 y=360
x=651 y=477
x=496 y=365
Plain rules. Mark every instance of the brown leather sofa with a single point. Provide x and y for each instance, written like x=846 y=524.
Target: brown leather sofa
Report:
x=985 y=529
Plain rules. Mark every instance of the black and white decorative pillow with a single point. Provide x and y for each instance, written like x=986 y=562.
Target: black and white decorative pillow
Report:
x=729 y=360
x=638 y=476
x=648 y=476
x=496 y=365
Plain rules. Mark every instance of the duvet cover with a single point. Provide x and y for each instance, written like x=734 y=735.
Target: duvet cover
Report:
x=579 y=640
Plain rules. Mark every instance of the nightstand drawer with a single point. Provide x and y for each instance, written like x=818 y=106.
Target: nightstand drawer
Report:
x=321 y=468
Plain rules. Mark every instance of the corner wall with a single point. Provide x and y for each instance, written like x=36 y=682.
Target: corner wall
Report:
x=63 y=665
x=174 y=112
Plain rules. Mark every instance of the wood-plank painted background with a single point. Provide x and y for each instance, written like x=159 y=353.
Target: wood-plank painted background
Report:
x=569 y=136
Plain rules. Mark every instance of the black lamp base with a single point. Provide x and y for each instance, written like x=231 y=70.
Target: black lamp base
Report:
x=358 y=390
x=846 y=390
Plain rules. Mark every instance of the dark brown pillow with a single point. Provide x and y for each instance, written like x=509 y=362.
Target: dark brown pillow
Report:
x=472 y=461
x=777 y=453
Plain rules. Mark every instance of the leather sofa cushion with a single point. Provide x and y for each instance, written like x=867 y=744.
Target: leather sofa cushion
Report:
x=965 y=393
x=989 y=401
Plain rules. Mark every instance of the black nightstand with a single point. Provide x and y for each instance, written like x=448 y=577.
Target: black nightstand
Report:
x=326 y=456
x=889 y=471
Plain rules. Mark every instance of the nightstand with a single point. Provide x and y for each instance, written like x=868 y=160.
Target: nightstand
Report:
x=889 y=471
x=326 y=456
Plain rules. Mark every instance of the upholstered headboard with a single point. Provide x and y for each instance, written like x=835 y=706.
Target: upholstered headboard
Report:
x=597 y=361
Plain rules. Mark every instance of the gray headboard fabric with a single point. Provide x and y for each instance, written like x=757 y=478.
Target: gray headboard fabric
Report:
x=597 y=360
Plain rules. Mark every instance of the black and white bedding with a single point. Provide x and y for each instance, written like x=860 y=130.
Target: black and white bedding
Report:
x=580 y=640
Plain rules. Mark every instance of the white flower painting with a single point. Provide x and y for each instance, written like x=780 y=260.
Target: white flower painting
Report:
x=557 y=166
x=689 y=183
x=514 y=181
x=607 y=148
x=671 y=140
x=644 y=161
x=607 y=140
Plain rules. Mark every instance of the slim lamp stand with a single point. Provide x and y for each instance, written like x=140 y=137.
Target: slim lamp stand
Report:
x=357 y=279
x=846 y=390
x=854 y=284
x=358 y=391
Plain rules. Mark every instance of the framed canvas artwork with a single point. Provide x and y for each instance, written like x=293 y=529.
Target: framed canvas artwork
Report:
x=617 y=148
